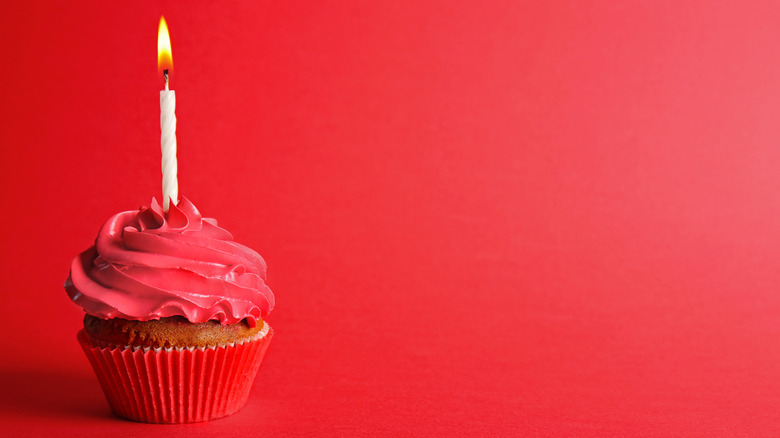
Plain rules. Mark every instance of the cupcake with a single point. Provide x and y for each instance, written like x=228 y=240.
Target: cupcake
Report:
x=174 y=308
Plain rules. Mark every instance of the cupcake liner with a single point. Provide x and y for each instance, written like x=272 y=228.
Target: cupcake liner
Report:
x=176 y=385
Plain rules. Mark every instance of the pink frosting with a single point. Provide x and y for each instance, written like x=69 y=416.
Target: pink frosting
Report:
x=147 y=264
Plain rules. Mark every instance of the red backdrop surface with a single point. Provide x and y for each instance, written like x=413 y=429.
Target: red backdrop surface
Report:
x=480 y=218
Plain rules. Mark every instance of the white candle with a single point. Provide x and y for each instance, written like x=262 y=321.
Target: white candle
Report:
x=170 y=181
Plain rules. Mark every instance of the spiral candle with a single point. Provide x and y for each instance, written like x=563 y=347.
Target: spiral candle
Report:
x=170 y=182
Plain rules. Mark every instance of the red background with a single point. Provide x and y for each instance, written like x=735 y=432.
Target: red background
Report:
x=480 y=218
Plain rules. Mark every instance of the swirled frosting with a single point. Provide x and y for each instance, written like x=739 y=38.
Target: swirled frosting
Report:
x=149 y=264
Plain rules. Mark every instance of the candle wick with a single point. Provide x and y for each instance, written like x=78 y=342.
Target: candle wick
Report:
x=165 y=73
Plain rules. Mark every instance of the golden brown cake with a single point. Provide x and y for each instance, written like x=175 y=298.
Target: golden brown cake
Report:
x=174 y=331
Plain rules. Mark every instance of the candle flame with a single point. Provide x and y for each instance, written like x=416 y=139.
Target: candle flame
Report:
x=164 y=54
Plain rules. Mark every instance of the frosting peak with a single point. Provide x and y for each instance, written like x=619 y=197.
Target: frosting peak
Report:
x=149 y=264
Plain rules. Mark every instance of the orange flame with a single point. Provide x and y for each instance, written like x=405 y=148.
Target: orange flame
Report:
x=164 y=54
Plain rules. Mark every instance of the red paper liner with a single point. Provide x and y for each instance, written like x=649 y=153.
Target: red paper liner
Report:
x=176 y=385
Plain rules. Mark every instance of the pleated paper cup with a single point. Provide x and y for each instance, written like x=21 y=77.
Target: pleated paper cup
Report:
x=176 y=385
